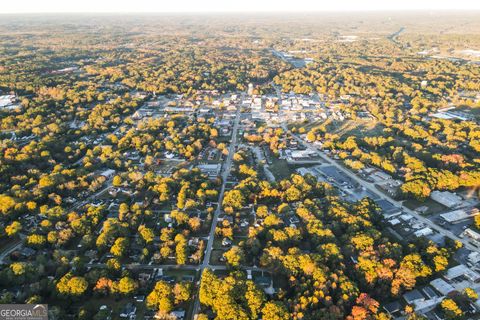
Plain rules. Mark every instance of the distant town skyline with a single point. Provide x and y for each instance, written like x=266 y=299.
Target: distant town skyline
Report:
x=126 y=6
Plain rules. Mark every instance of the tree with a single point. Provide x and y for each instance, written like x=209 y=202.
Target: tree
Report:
x=235 y=256
x=126 y=286
x=7 y=203
x=18 y=268
x=181 y=249
x=418 y=189
x=470 y=294
x=146 y=233
x=71 y=285
x=13 y=228
x=275 y=311
x=234 y=198
x=36 y=240
x=255 y=299
x=292 y=194
x=451 y=309
x=117 y=181
x=119 y=248
x=160 y=298
x=181 y=292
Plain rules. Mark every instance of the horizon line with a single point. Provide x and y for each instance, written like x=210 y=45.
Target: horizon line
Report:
x=443 y=10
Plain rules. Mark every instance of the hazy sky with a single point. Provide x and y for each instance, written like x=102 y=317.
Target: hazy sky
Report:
x=28 y=6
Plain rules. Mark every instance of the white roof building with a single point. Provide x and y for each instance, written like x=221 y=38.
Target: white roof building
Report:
x=423 y=232
x=446 y=198
x=458 y=215
x=6 y=100
x=474 y=257
x=472 y=234
x=442 y=286
x=462 y=271
x=212 y=169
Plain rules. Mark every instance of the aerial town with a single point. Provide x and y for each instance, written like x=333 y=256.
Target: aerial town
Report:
x=159 y=169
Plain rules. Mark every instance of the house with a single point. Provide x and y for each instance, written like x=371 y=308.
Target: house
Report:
x=413 y=296
x=474 y=257
x=226 y=242
x=211 y=170
x=423 y=232
x=108 y=173
x=442 y=286
x=393 y=308
x=128 y=311
x=178 y=314
x=462 y=271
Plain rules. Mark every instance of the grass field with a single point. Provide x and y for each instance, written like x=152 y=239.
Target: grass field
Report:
x=280 y=169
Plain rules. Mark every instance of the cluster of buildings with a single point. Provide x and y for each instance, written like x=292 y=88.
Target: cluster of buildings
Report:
x=424 y=300
x=291 y=107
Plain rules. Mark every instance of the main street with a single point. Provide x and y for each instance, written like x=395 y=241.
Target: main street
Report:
x=225 y=173
x=371 y=187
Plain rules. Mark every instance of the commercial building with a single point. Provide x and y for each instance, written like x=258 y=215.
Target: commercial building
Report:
x=211 y=170
x=446 y=198
x=458 y=215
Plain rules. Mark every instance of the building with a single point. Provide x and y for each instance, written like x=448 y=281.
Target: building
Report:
x=211 y=170
x=128 y=311
x=446 y=198
x=7 y=102
x=108 y=173
x=458 y=215
x=250 y=89
x=474 y=257
x=389 y=209
x=423 y=232
x=442 y=286
x=472 y=234
x=178 y=314
x=462 y=271
x=413 y=296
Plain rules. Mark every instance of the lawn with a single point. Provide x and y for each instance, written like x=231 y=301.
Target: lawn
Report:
x=433 y=207
x=280 y=169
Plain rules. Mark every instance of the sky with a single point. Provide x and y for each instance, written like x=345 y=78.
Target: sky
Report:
x=126 y=6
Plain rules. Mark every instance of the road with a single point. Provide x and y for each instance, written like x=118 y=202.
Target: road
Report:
x=108 y=185
x=393 y=37
x=371 y=187
x=136 y=266
x=14 y=246
x=226 y=172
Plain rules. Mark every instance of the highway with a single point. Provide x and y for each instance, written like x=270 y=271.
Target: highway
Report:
x=371 y=187
x=393 y=37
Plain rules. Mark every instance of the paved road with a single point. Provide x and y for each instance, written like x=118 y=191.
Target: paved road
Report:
x=93 y=196
x=371 y=187
x=14 y=246
x=136 y=266
x=393 y=37
x=226 y=171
